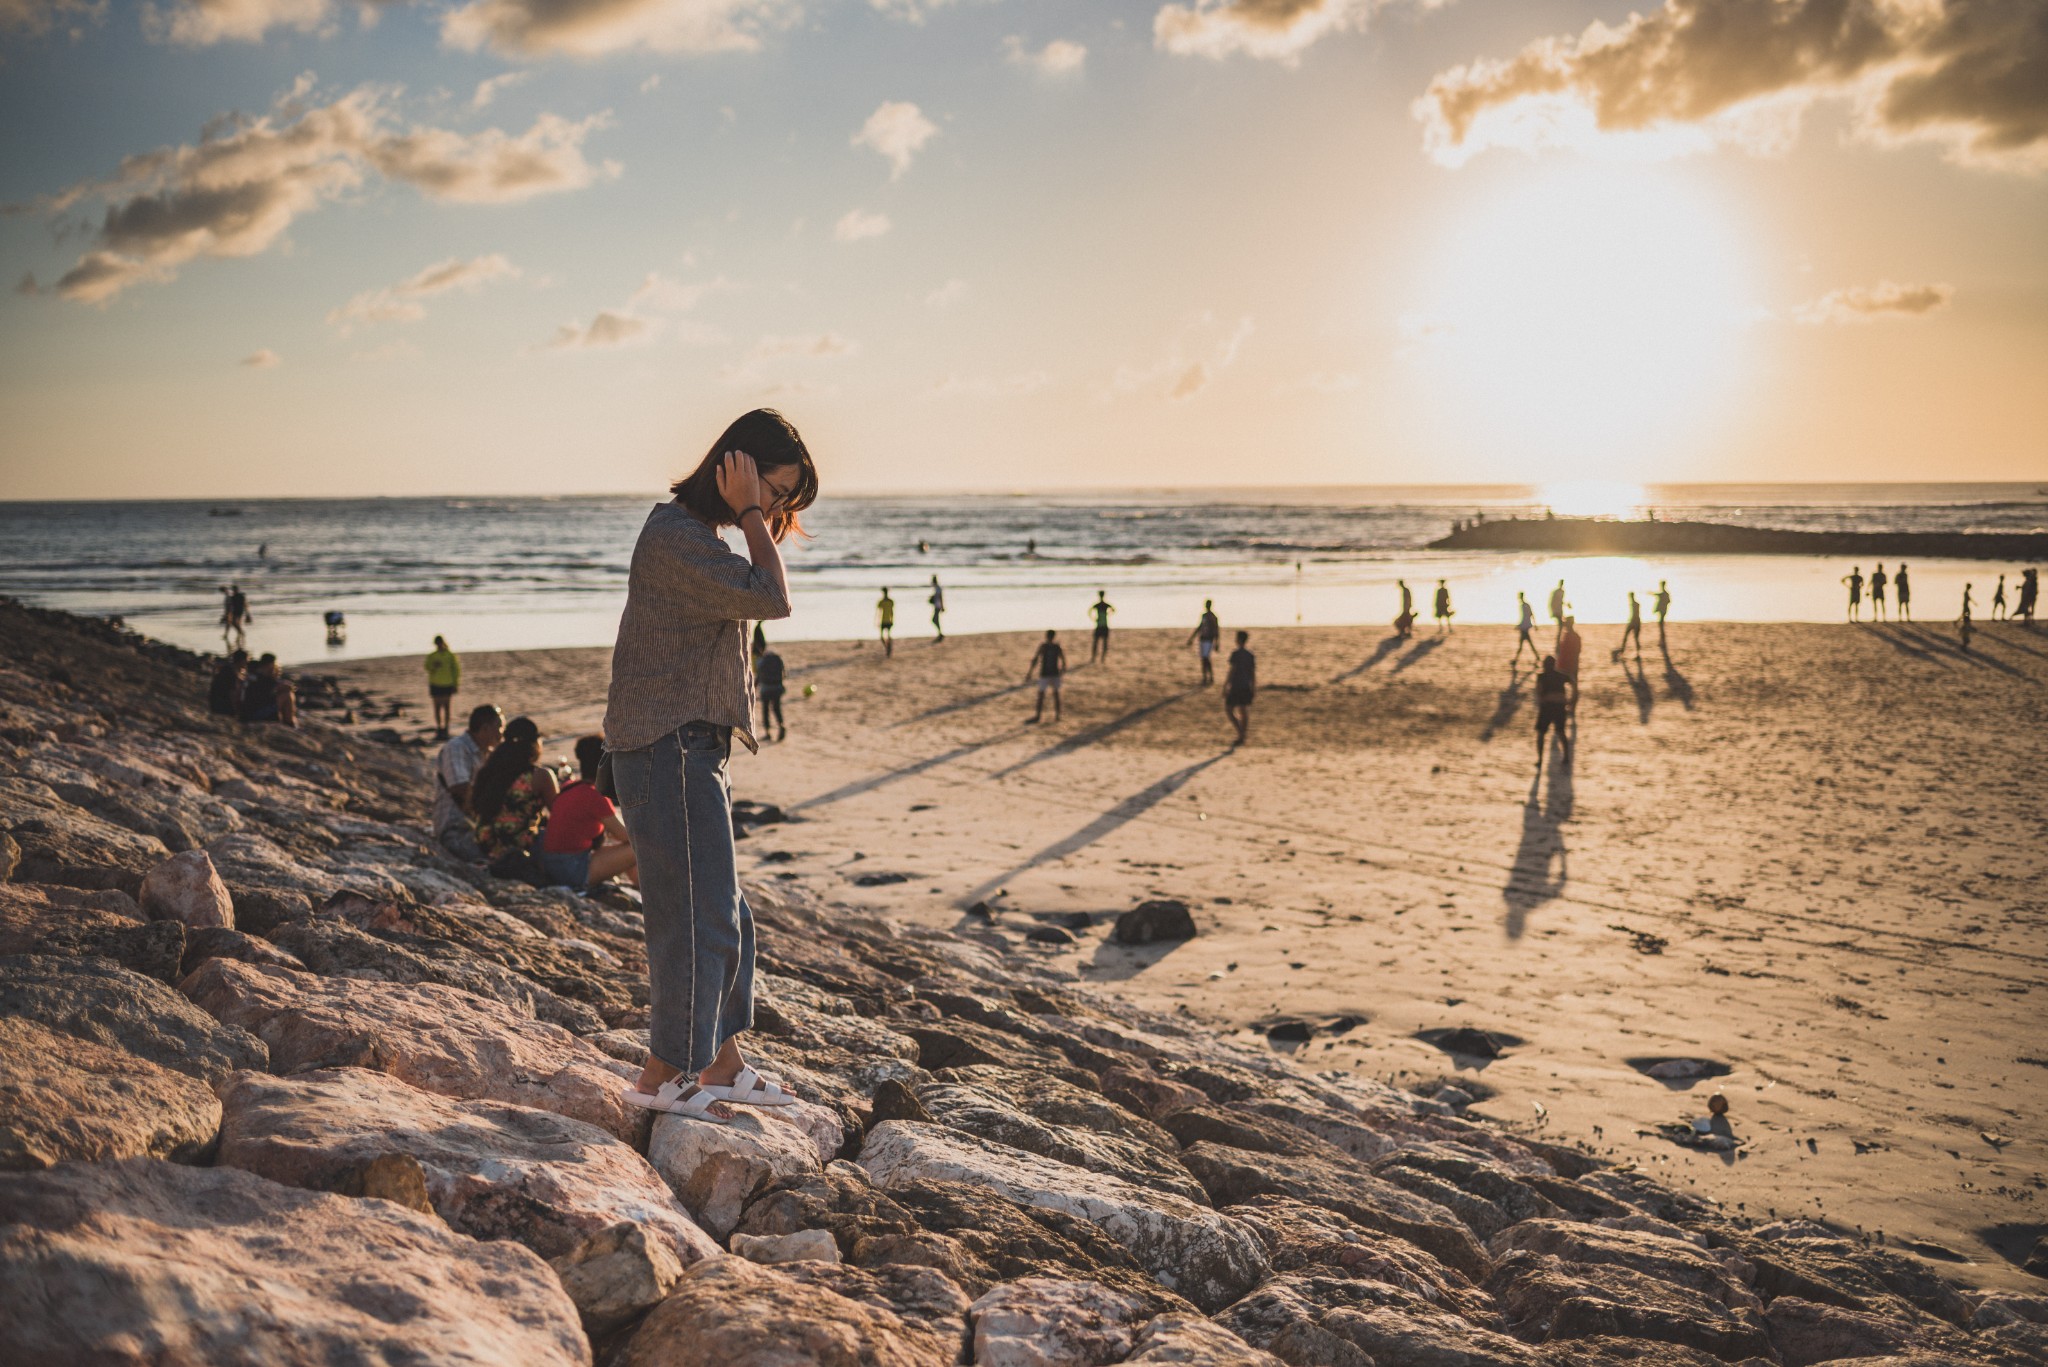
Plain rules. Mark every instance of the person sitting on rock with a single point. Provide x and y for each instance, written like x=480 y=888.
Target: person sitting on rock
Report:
x=224 y=696
x=455 y=770
x=511 y=793
x=584 y=842
x=269 y=696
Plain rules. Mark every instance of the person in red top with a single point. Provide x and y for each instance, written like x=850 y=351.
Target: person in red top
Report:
x=585 y=842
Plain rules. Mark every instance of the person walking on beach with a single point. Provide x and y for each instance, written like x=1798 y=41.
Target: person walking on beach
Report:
x=1048 y=662
x=2030 y=594
x=938 y=602
x=444 y=676
x=680 y=690
x=1662 y=603
x=1854 y=579
x=1998 y=611
x=455 y=769
x=1239 y=686
x=1634 y=629
x=1965 y=628
x=885 y=621
x=1204 y=637
x=235 y=617
x=768 y=686
x=1443 y=606
x=1877 y=583
x=1557 y=607
x=584 y=842
x=1404 y=622
x=1098 y=646
x=1904 y=588
x=1552 y=709
x=1569 y=645
x=1525 y=623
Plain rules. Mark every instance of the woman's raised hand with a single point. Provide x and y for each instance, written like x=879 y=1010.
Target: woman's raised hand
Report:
x=739 y=483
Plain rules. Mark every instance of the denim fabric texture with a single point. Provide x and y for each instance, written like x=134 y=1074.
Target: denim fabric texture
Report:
x=571 y=870
x=677 y=805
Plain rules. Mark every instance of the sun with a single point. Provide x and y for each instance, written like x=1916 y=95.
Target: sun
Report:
x=1583 y=321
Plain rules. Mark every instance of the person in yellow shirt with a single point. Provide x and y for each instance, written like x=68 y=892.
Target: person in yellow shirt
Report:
x=444 y=676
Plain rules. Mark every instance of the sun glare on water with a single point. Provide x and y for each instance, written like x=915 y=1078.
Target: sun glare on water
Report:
x=1594 y=498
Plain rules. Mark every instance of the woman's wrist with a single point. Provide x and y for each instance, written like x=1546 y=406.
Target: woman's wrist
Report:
x=751 y=508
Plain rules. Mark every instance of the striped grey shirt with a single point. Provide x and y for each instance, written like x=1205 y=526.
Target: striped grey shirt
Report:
x=682 y=649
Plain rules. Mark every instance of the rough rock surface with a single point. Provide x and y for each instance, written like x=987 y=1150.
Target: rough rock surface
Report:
x=1194 y=1342
x=68 y=1098
x=186 y=888
x=716 y=1169
x=492 y=1170
x=123 y=1010
x=615 y=1274
x=437 y=1038
x=146 y=1261
x=1039 y=1322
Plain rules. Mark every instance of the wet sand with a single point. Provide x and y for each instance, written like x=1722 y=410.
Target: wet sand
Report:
x=1816 y=855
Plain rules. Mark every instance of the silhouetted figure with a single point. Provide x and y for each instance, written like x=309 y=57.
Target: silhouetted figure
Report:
x=1904 y=588
x=1877 y=583
x=1048 y=662
x=1557 y=607
x=1854 y=579
x=1569 y=645
x=1204 y=637
x=1525 y=623
x=224 y=696
x=1964 y=627
x=885 y=622
x=1239 y=686
x=938 y=602
x=1662 y=602
x=235 y=617
x=768 y=687
x=444 y=676
x=1998 y=611
x=759 y=645
x=1404 y=621
x=1634 y=630
x=1098 y=645
x=1443 y=606
x=269 y=696
x=337 y=627
x=1553 y=690
x=1031 y=545
x=2030 y=594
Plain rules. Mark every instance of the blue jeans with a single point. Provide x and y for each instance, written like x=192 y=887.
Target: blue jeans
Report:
x=677 y=805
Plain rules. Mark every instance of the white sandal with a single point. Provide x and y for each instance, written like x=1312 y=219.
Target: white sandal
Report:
x=678 y=1097
x=750 y=1088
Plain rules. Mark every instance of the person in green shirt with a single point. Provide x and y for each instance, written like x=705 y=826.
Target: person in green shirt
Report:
x=444 y=676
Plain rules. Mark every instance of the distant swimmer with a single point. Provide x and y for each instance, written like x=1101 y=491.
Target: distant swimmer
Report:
x=1404 y=621
x=1634 y=629
x=1662 y=602
x=1525 y=623
x=1098 y=648
x=1557 y=606
x=1204 y=637
x=1569 y=645
x=1031 y=545
x=938 y=602
x=885 y=620
x=1552 y=708
x=923 y=547
x=1239 y=686
x=1854 y=579
x=1048 y=662
x=444 y=676
x=1904 y=588
x=1443 y=606
x=1877 y=583
x=1998 y=611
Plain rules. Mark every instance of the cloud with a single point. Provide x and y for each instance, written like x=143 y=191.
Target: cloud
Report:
x=1874 y=303
x=947 y=295
x=610 y=328
x=817 y=344
x=592 y=28
x=236 y=191
x=400 y=303
x=897 y=129
x=1204 y=347
x=907 y=11
x=487 y=90
x=201 y=23
x=262 y=360
x=1277 y=30
x=856 y=224
x=1060 y=57
x=991 y=386
x=33 y=17
x=630 y=325
x=1968 y=75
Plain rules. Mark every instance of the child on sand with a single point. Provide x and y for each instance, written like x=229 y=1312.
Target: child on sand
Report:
x=1525 y=623
x=1239 y=685
x=768 y=688
x=1049 y=661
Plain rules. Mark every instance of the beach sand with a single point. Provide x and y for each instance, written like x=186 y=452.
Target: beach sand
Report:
x=1816 y=855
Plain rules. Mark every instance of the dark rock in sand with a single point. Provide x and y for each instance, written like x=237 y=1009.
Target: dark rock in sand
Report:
x=1149 y=922
x=1466 y=1040
x=62 y=1098
x=1048 y=935
x=120 y=1009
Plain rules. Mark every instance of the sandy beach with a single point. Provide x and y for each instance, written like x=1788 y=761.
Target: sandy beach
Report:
x=1813 y=855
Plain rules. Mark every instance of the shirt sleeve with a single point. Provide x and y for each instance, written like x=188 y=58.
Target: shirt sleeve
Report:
x=712 y=583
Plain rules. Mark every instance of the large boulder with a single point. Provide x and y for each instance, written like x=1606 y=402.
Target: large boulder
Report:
x=1062 y=1103
x=1806 y=1333
x=122 y=1010
x=60 y=843
x=187 y=888
x=67 y=1098
x=1663 y=1259
x=715 y=1170
x=1340 y=1322
x=143 y=1261
x=1041 y=1322
x=1549 y=1300
x=615 y=1274
x=983 y=1111
x=492 y=1170
x=437 y=1038
x=1303 y=1238
x=1233 y=1175
x=28 y=913
x=1488 y=1197
x=1190 y=1341
x=1204 y=1256
x=741 y=1314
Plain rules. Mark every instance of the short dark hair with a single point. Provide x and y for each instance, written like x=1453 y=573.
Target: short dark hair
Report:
x=1243 y=636
x=480 y=717
x=1050 y=633
x=589 y=753
x=773 y=441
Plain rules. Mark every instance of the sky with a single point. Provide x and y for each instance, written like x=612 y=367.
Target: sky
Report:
x=301 y=247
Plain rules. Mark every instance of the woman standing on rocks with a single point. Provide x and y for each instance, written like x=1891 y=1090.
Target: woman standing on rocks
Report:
x=681 y=687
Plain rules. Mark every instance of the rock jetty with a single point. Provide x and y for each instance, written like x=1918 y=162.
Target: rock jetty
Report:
x=1607 y=536
x=280 y=1084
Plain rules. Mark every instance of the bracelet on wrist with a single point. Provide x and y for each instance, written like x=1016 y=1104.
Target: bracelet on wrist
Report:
x=750 y=508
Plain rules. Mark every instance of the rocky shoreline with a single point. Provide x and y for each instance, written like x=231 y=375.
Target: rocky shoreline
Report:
x=1606 y=536
x=282 y=1084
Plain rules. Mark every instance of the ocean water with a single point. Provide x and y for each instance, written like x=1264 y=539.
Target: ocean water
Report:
x=530 y=573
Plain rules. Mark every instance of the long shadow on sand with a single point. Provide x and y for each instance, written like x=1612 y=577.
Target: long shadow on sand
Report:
x=960 y=705
x=1124 y=812
x=1639 y=684
x=1080 y=740
x=1504 y=709
x=1416 y=652
x=868 y=785
x=2004 y=635
x=1531 y=880
x=1895 y=636
x=1675 y=683
x=1948 y=648
x=1379 y=652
